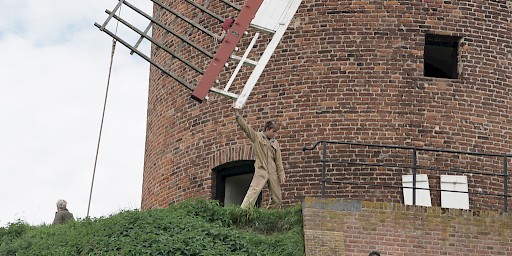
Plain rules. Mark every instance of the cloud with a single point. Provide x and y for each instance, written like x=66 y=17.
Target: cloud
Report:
x=52 y=86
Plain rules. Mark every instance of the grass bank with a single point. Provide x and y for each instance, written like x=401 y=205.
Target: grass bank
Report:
x=193 y=227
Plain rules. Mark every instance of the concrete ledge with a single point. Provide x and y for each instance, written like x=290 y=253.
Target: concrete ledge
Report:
x=332 y=204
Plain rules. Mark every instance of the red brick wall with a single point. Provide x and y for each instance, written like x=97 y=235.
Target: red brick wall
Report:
x=349 y=71
x=338 y=227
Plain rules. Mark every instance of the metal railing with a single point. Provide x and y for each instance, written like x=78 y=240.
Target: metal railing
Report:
x=414 y=167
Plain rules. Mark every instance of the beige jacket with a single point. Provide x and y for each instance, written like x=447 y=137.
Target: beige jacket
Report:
x=62 y=216
x=267 y=152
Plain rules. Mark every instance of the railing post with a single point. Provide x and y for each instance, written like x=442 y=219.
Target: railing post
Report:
x=505 y=183
x=324 y=159
x=414 y=176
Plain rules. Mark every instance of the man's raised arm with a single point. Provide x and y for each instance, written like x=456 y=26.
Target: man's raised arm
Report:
x=245 y=126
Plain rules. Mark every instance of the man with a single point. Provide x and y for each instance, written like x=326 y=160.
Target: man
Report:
x=62 y=215
x=268 y=165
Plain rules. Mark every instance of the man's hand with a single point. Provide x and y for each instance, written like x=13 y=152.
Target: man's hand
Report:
x=235 y=109
x=282 y=179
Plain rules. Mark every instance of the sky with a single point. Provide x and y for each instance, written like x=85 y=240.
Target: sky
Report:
x=53 y=77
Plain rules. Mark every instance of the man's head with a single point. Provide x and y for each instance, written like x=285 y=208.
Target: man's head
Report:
x=270 y=129
x=61 y=204
x=374 y=253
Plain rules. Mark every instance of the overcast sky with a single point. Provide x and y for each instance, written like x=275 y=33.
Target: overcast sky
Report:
x=52 y=87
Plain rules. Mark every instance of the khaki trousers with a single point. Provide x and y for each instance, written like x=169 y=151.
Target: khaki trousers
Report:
x=258 y=181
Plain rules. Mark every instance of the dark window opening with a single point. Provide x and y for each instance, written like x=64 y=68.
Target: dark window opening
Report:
x=441 y=56
x=232 y=181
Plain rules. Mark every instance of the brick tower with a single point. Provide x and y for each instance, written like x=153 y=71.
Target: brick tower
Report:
x=434 y=74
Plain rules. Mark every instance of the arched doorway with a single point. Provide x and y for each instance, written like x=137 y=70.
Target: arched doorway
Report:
x=232 y=180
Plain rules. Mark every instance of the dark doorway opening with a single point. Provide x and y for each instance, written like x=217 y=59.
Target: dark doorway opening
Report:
x=232 y=181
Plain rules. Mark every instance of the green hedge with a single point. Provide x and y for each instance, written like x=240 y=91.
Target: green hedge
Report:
x=193 y=227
